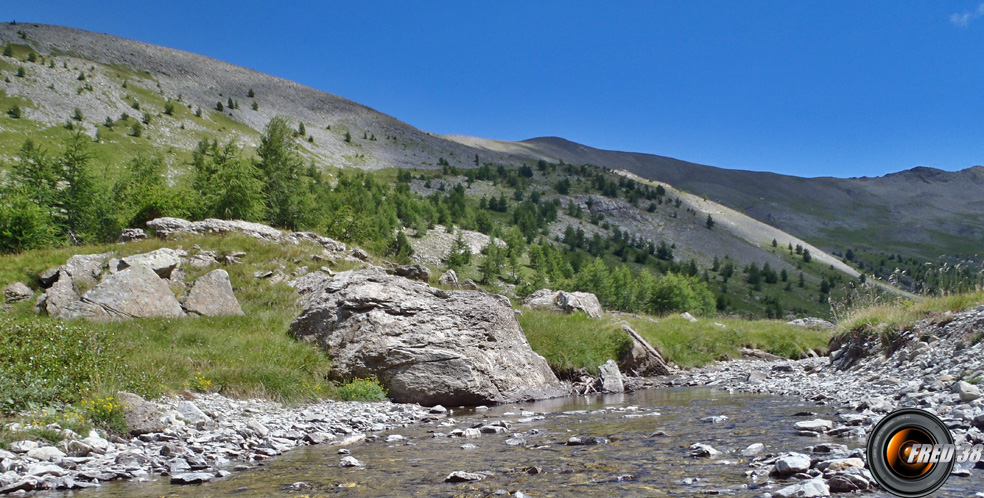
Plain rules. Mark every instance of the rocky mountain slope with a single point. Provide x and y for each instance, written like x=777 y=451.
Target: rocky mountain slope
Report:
x=922 y=211
x=181 y=98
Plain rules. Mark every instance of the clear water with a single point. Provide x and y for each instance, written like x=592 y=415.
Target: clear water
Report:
x=634 y=463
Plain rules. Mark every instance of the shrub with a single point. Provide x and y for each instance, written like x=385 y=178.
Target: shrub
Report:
x=8 y=51
x=219 y=107
x=359 y=389
x=136 y=130
x=105 y=412
x=169 y=108
x=77 y=114
x=20 y=72
x=14 y=111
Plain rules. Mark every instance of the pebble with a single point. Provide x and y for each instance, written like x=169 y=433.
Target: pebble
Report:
x=229 y=433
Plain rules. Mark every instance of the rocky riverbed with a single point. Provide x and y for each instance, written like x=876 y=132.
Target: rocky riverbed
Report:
x=198 y=438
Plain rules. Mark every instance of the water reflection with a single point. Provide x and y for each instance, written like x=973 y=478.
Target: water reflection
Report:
x=649 y=434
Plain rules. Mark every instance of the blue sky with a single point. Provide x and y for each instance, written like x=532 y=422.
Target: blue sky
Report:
x=837 y=88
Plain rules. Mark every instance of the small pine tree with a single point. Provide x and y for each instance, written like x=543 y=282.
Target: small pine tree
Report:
x=802 y=281
x=136 y=130
x=709 y=223
x=219 y=107
x=32 y=57
x=230 y=104
x=806 y=256
x=169 y=108
x=77 y=114
x=146 y=118
x=14 y=111
x=255 y=106
x=775 y=243
x=135 y=105
x=311 y=138
x=20 y=72
x=198 y=112
x=108 y=123
x=124 y=83
x=301 y=130
x=250 y=93
x=348 y=137
x=81 y=76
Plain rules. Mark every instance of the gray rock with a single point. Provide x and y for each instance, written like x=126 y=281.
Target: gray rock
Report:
x=848 y=483
x=136 y=292
x=168 y=228
x=687 y=316
x=966 y=391
x=611 y=378
x=839 y=464
x=163 y=261
x=191 y=413
x=326 y=242
x=192 y=478
x=714 y=419
x=257 y=427
x=85 y=268
x=807 y=489
x=462 y=476
x=413 y=272
x=753 y=449
x=470 y=284
x=350 y=461
x=203 y=260
x=23 y=446
x=58 y=297
x=142 y=417
x=132 y=234
x=812 y=323
x=211 y=295
x=792 y=463
x=45 y=469
x=46 y=453
x=701 y=450
x=568 y=302
x=426 y=345
x=818 y=425
x=642 y=359
x=17 y=292
x=449 y=278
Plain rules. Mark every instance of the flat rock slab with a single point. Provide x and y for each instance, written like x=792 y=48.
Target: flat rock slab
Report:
x=212 y=295
x=163 y=261
x=192 y=478
x=136 y=292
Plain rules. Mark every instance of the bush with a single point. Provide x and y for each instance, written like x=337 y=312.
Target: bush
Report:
x=136 y=130
x=77 y=114
x=14 y=111
x=20 y=72
x=359 y=389
x=105 y=412
x=23 y=225
x=169 y=108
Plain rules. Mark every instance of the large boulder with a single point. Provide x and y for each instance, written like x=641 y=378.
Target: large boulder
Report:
x=642 y=358
x=424 y=344
x=136 y=292
x=568 y=302
x=163 y=261
x=81 y=268
x=169 y=227
x=141 y=416
x=413 y=272
x=611 y=378
x=211 y=295
x=58 y=297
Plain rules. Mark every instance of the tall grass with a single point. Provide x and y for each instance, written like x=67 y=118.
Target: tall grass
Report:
x=713 y=339
x=573 y=342
x=65 y=362
x=886 y=319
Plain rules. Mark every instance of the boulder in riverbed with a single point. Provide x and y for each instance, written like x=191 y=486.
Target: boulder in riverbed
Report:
x=424 y=344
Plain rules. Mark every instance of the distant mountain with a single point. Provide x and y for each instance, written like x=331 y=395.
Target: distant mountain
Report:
x=921 y=211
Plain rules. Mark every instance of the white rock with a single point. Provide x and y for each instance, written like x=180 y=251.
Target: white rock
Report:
x=818 y=425
x=350 y=461
x=807 y=489
x=792 y=463
x=753 y=449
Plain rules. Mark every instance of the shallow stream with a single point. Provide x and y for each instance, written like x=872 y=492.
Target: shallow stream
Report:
x=637 y=461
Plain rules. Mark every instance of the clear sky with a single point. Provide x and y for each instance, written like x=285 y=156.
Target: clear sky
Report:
x=838 y=88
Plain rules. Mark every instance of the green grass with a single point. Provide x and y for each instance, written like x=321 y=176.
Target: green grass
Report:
x=572 y=342
x=48 y=362
x=696 y=344
x=878 y=317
